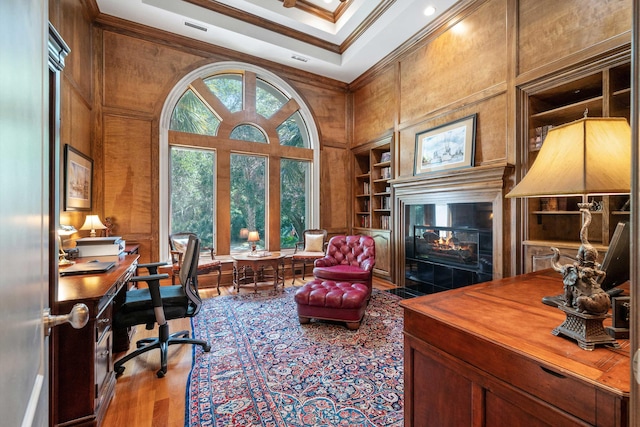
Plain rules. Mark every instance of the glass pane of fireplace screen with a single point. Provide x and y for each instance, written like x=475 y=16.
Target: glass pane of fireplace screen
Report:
x=447 y=245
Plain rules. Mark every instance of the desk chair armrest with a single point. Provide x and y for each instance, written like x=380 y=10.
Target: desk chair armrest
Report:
x=153 y=266
x=149 y=278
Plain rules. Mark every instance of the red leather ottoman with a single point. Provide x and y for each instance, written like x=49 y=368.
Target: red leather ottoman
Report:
x=328 y=300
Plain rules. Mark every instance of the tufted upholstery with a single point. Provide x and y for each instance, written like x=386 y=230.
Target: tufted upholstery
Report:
x=329 y=300
x=348 y=259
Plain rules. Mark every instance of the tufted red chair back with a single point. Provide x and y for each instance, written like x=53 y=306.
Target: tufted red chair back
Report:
x=349 y=259
x=353 y=250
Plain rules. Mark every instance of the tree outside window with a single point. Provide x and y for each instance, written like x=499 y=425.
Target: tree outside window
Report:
x=262 y=150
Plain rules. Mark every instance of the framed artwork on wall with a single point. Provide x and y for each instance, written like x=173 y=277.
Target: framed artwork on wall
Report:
x=78 y=179
x=448 y=146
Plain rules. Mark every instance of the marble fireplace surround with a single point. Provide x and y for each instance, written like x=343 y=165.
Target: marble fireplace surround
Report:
x=485 y=183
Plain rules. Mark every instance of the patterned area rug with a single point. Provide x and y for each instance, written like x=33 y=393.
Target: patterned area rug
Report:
x=265 y=369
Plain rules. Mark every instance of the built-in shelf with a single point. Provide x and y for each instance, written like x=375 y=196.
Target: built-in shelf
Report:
x=372 y=169
x=556 y=221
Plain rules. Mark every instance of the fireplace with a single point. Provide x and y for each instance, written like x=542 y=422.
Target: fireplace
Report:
x=447 y=245
x=451 y=230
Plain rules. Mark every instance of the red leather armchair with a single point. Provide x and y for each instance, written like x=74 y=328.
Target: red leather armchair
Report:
x=348 y=259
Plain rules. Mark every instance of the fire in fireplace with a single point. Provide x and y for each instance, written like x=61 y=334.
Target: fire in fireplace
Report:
x=447 y=245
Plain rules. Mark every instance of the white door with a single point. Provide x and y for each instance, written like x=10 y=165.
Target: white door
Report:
x=24 y=207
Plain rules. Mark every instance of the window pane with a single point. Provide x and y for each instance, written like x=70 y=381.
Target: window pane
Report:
x=268 y=99
x=192 y=193
x=248 y=199
x=248 y=133
x=192 y=115
x=295 y=206
x=228 y=89
x=292 y=132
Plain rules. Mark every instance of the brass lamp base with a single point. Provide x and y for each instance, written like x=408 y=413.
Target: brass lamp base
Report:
x=585 y=328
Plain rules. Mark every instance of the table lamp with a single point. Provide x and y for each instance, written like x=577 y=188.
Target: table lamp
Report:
x=254 y=236
x=64 y=230
x=92 y=222
x=590 y=156
x=244 y=233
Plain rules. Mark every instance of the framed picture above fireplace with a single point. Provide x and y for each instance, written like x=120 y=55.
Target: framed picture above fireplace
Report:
x=448 y=146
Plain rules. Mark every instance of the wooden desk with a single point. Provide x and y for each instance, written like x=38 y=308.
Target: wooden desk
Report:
x=252 y=270
x=83 y=381
x=485 y=355
x=132 y=248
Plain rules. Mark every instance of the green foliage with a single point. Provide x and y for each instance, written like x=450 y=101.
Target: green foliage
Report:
x=228 y=89
x=192 y=193
x=192 y=116
x=289 y=133
x=293 y=200
x=248 y=133
x=193 y=174
x=248 y=193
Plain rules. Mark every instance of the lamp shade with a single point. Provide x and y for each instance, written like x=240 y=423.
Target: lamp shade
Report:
x=93 y=223
x=589 y=156
x=254 y=236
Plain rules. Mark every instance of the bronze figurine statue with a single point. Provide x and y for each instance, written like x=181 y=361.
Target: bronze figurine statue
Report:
x=582 y=290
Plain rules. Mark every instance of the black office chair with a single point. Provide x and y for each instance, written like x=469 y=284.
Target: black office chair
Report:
x=157 y=304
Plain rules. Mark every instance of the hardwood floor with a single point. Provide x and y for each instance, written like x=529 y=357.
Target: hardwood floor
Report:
x=144 y=400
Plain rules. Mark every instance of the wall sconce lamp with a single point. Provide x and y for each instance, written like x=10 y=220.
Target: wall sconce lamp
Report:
x=591 y=156
x=93 y=223
x=64 y=230
x=253 y=237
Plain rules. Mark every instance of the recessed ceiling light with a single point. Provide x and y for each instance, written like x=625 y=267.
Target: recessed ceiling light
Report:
x=430 y=10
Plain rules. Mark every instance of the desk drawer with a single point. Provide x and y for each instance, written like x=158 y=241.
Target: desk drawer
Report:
x=103 y=367
x=103 y=322
x=548 y=384
x=103 y=346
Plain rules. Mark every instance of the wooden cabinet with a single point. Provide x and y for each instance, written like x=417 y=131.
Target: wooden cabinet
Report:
x=382 y=238
x=484 y=355
x=556 y=221
x=83 y=378
x=372 y=194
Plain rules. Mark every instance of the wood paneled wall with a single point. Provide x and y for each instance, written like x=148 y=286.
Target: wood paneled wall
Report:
x=134 y=68
x=119 y=75
x=474 y=63
x=71 y=19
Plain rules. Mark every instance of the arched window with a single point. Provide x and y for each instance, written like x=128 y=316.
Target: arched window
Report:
x=239 y=152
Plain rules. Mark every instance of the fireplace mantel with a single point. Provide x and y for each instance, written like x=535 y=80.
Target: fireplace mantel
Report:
x=480 y=184
x=468 y=179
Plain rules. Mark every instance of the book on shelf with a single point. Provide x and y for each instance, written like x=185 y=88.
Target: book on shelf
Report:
x=364 y=221
x=385 y=222
x=386 y=156
x=365 y=189
x=366 y=205
x=540 y=134
x=385 y=173
x=385 y=202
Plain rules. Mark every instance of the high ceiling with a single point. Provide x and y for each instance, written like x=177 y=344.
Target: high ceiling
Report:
x=333 y=38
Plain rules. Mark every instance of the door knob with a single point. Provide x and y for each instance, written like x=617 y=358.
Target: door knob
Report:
x=78 y=318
